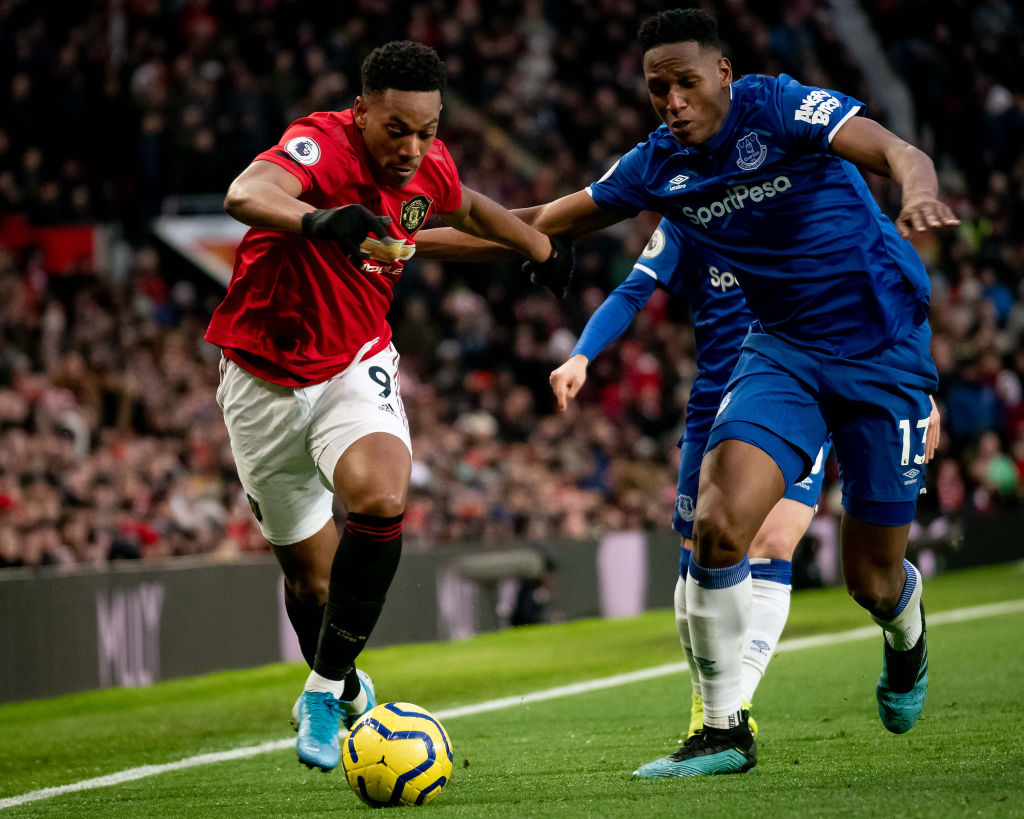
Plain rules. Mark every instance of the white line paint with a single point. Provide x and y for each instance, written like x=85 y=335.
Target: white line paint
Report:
x=816 y=641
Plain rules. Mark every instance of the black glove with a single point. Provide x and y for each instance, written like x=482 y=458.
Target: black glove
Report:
x=555 y=272
x=347 y=226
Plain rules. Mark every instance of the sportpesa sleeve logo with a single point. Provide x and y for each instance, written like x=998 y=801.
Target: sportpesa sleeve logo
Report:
x=303 y=150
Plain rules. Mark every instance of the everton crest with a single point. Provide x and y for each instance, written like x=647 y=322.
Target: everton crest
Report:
x=752 y=152
x=414 y=212
x=685 y=507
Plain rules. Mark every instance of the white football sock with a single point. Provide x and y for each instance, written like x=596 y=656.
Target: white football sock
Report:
x=718 y=603
x=316 y=682
x=683 y=627
x=769 y=581
x=903 y=627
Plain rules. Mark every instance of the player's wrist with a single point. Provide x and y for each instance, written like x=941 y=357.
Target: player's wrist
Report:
x=543 y=249
x=314 y=222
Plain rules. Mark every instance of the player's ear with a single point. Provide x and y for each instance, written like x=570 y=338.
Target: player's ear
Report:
x=359 y=113
x=724 y=71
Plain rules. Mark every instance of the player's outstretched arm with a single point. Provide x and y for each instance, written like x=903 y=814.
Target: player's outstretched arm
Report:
x=265 y=195
x=870 y=146
x=609 y=321
x=571 y=216
x=483 y=218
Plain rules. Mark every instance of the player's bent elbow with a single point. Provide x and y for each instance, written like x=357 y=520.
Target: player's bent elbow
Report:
x=234 y=200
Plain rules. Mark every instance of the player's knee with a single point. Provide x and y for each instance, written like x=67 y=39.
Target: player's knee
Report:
x=778 y=544
x=379 y=502
x=874 y=593
x=308 y=588
x=716 y=541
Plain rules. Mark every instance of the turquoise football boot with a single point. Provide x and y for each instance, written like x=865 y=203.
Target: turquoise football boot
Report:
x=708 y=752
x=903 y=684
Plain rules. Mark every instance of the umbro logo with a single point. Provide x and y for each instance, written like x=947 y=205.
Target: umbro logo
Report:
x=677 y=182
x=911 y=473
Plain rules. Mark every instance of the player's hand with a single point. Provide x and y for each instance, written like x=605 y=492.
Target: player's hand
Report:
x=567 y=380
x=555 y=272
x=934 y=433
x=923 y=215
x=348 y=225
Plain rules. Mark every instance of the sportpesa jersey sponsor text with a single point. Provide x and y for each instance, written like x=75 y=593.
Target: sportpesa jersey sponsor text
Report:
x=736 y=199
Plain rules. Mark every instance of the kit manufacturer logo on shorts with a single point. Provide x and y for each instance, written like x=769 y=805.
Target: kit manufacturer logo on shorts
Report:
x=752 y=152
x=303 y=150
x=414 y=212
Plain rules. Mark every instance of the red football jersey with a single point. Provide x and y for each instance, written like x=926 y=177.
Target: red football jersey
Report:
x=297 y=310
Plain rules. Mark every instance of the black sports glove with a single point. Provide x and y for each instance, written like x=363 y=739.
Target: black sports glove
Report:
x=347 y=225
x=555 y=272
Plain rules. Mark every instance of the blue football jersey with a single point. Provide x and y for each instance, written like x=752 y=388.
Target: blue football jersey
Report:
x=720 y=315
x=819 y=264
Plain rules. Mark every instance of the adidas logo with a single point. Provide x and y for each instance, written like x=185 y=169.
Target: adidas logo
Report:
x=387 y=408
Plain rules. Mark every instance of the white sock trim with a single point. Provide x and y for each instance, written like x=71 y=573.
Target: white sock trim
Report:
x=904 y=630
x=317 y=682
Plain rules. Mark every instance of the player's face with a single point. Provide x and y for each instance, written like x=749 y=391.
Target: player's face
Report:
x=689 y=88
x=398 y=127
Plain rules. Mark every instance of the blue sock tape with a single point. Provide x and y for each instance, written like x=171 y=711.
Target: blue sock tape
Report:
x=723 y=578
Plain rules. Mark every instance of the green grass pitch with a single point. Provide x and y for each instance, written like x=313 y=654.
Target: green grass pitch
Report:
x=822 y=750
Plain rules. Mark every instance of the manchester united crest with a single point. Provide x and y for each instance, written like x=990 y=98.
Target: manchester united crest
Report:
x=414 y=212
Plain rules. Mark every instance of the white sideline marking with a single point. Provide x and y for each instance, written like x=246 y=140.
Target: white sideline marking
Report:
x=796 y=644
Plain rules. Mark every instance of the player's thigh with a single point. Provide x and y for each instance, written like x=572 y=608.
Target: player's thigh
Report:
x=268 y=429
x=372 y=475
x=364 y=405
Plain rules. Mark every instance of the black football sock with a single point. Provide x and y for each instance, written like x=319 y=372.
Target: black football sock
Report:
x=307 y=621
x=362 y=571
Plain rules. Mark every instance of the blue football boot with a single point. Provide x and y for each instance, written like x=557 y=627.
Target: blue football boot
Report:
x=903 y=684
x=317 y=744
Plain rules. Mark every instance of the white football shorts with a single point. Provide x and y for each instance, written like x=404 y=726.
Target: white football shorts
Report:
x=286 y=441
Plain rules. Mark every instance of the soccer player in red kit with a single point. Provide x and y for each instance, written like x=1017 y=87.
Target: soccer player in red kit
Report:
x=309 y=377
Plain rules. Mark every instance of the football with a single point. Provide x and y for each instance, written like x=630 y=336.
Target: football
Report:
x=397 y=754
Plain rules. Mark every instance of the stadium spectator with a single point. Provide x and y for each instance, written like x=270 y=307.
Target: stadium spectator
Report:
x=136 y=82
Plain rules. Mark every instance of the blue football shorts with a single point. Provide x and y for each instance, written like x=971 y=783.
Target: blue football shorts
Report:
x=785 y=399
x=693 y=445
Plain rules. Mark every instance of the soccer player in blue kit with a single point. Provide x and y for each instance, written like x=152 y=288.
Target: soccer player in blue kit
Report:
x=763 y=172
x=720 y=322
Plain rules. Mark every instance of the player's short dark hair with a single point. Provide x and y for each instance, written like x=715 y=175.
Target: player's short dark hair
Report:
x=679 y=26
x=404 y=66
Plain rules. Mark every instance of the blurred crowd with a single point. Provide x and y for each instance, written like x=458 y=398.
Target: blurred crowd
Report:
x=111 y=442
